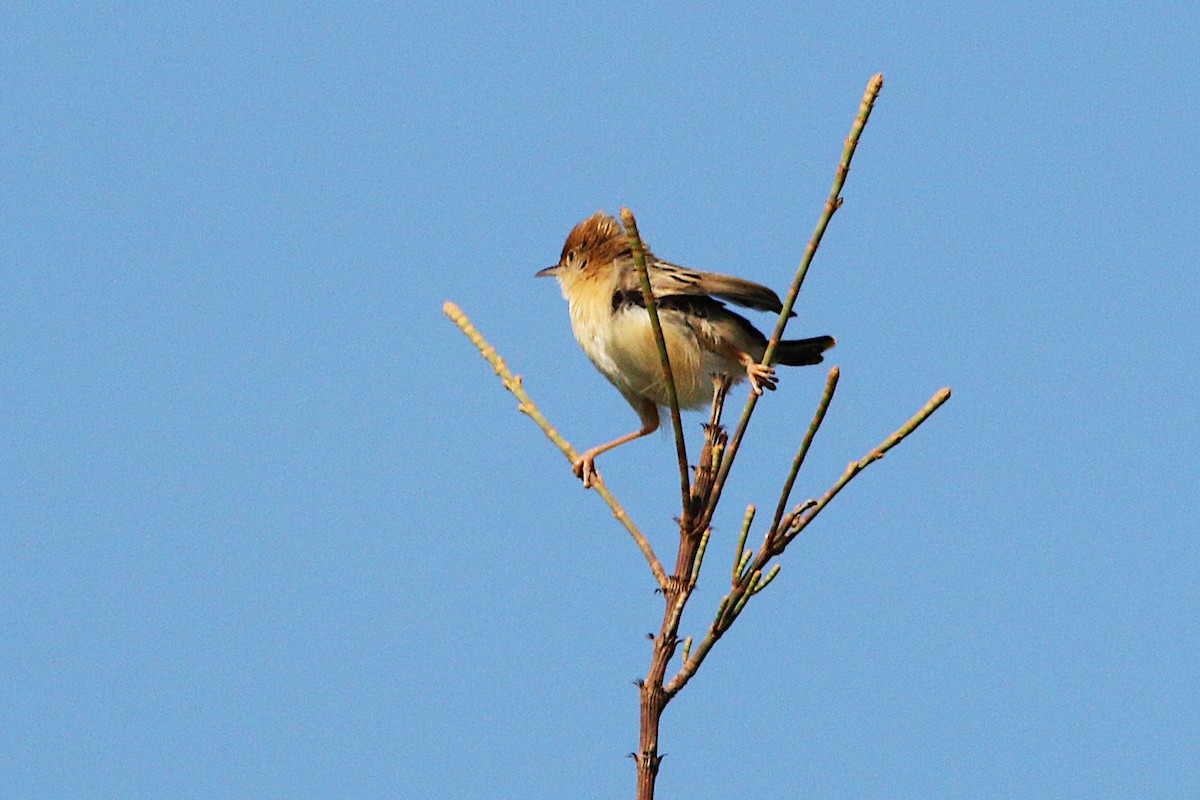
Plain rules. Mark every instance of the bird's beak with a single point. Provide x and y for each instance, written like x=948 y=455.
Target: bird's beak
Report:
x=548 y=272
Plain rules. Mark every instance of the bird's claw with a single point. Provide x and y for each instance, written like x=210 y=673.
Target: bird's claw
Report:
x=585 y=469
x=761 y=377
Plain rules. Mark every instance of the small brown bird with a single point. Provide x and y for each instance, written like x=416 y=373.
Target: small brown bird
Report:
x=704 y=338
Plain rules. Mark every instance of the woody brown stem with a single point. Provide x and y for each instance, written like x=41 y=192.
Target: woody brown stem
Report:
x=692 y=542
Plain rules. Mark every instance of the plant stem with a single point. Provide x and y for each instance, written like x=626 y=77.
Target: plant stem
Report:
x=832 y=204
x=527 y=407
x=819 y=417
x=639 y=260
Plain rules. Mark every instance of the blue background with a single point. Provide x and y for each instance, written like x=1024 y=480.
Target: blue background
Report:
x=270 y=528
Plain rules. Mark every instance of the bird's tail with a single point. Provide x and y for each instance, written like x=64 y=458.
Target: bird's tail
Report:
x=802 y=352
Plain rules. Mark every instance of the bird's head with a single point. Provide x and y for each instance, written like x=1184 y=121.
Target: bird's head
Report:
x=589 y=250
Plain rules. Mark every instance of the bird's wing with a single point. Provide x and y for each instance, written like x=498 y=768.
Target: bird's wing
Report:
x=668 y=279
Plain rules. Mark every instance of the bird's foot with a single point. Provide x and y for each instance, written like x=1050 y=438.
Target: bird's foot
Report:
x=585 y=469
x=761 y=377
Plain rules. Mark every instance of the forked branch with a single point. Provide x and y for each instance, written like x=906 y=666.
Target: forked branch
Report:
x=748 y=574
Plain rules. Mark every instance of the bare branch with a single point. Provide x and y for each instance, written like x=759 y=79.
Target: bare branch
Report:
x=526 y=406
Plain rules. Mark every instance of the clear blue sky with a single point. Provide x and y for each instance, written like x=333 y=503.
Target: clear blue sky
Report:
x=270 y=528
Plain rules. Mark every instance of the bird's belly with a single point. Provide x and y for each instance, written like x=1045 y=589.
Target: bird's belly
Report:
x=624 y=350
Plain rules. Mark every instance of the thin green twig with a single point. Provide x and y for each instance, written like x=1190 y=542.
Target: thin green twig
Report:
x=639 y=260
x=832 y=204
x=699 y=559
x=739 y=562
x=765 y=582
x=819 y=417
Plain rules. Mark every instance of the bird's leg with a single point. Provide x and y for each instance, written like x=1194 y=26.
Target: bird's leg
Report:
x=585 y=466
x=761 y=376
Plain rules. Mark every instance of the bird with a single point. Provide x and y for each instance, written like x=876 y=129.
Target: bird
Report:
x=704 y=338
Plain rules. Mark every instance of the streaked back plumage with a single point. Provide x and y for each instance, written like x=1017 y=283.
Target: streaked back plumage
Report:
x=603 y=240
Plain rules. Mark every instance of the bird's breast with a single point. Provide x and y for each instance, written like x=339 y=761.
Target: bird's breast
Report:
x=619 y=340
